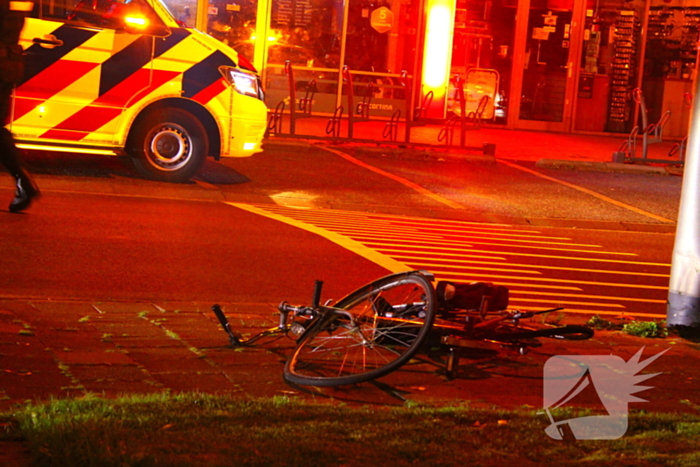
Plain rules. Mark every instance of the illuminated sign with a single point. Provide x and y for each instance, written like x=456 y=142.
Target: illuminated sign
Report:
x=437 y=54
x=382 y=19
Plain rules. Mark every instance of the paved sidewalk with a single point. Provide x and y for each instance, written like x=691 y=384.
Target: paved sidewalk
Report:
x=52 y=349
x=510 y=144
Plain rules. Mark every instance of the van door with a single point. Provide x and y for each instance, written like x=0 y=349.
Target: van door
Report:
x=82 y=70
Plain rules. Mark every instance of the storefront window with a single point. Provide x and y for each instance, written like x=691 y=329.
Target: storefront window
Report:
x=380 y=52
x=482 y=55
x=609 y=67
x=234 y=24
x=670 y=65
x=185 y=11
x=307 y=34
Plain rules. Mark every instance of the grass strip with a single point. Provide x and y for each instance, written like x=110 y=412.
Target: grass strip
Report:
x=205 y=430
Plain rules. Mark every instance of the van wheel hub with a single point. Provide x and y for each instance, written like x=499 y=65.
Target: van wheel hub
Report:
x=170 y=147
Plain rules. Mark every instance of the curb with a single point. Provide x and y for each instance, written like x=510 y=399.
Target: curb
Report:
x=616 y=167
x=486 y=153
x=428 y=153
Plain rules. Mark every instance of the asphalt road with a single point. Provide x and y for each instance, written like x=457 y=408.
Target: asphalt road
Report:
x=591 y=242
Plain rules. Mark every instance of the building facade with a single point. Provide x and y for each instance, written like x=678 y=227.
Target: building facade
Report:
x=555 y=65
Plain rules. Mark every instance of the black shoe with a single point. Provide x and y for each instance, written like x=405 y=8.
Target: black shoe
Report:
x=26 y=192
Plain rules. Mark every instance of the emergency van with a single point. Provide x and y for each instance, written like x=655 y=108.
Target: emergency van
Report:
x=123 y=78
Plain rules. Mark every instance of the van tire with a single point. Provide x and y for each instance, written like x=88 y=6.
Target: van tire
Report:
x=168 y=145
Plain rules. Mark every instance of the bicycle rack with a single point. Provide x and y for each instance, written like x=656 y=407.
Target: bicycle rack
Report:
x=446 y=133
x=475 y=116
x=391 y=130
x=679 y=148
x=359 y=111
x=305 y=103
x=362 y=110
x=419 y=112
x=628 y=148
x=274 y=124
x=651 y=134
x=333 y=125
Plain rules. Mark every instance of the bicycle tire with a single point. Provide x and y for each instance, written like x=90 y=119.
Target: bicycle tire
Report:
x=376 y=330
x=569 y=332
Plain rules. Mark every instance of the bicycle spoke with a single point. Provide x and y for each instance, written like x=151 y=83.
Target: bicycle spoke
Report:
x=375 y=330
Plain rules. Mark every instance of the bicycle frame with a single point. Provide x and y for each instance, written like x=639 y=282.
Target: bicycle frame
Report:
x=479 y=329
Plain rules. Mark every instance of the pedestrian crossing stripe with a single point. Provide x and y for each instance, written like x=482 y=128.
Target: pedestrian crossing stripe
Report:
x=454 y=250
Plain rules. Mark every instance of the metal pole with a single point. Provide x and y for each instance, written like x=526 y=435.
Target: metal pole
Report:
x=642 y=56
x=683 y=310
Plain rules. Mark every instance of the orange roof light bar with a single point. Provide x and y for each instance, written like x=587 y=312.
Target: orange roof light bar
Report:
x=437 y=53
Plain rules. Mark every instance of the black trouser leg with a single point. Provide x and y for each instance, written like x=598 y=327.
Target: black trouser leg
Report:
x=10 y=156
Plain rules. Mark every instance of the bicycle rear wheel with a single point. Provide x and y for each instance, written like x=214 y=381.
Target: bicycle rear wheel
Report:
x=370 y=333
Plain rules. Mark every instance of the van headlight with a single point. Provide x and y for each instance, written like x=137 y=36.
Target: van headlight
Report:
x=243 y=82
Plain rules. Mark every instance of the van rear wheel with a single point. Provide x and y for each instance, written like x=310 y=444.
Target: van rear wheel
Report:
x=169 y=145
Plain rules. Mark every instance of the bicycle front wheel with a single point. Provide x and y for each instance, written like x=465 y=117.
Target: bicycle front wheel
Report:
x=370 y=333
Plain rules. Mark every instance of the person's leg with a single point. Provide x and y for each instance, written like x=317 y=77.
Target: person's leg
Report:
x=11 y=158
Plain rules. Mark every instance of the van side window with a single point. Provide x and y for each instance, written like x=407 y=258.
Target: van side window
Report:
x=98 y=12
x=53 y=9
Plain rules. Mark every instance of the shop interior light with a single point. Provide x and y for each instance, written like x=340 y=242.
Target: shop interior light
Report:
x=437 y=53
x=269 y=38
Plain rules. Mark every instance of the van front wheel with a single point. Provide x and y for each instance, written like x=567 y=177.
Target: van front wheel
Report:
x=169 y=145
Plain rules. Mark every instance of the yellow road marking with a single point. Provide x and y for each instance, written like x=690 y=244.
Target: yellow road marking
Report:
x=558 y=303
x=598 y=297
x=565 y=281
x=588 y=192
x=345 y=242
x=393 y=246
x=400 y=233
x=389 y=247
x=502 y=244
x=327 y=219
x=396 y=178
x=322 y=215
x=378 y=224
x=425 y=262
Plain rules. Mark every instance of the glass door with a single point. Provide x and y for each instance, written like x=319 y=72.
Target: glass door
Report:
x=550 y=48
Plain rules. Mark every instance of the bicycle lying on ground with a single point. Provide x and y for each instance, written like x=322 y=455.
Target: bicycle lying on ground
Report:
x=379 y=327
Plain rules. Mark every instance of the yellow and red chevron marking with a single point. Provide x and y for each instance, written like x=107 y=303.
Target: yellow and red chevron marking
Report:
x=84 y=86
x=108 y=106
